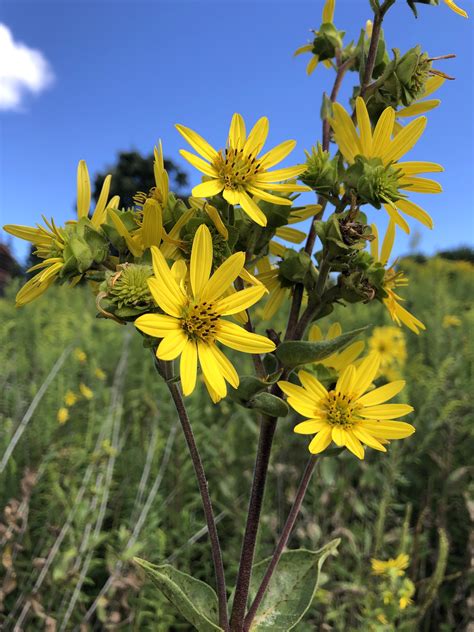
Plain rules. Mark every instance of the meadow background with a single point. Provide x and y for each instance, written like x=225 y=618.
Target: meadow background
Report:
x=81 y=496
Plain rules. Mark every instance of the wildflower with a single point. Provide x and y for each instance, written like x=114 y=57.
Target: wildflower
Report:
x=149 y=231
x=398 y=565
x=392 y=280
x=99 y=374
x=326 y=40
x=70 y=398
x=347 y=414
x=80 y=355
x=86 y=392
x=194 y=303
x=375 y=170
x=63 y=415
x=454 y=7
x=238 y=172
x=51 y=241
x=389 y=344
x=451 y=321
x=340 y=359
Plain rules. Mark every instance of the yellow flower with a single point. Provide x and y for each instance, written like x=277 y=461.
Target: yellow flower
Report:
x=194 y=303
x=238 y=172
x=327 y=16
x=379 y=144
x=389 y=343
x=451 y=321
x=99 y=374
x=49 y=240
x=80 y=355
x=149 y=231
x=454 y=7
x=399 y=564
x=85 y=391
x=404 y=602
x=382 y=619
x=347 y=414
x=63 y=415
x=340 y=359
x=392 y=280
x=70 y=398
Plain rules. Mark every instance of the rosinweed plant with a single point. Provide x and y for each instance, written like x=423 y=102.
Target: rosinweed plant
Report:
x=189 y=275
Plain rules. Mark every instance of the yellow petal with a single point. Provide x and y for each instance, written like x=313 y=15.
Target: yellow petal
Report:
x=328 y=11
x=280 y=174
x=199 y=163
x=237 y=132
x=307 y=48
x=315 y=333
x=365 y=128
x=236 y=337
x=421 y=185
x=290 y=234
x=374 y=244
x=388 y=242
x=397 y=218
x=257 y=137
x=454 y=7
x=172 y=345
x=386 y=411
x=274 y=302
x=367 y=438
x=225 y=366
x=83 y=190
x=197 y=142
x=415 y=167
x=433 y=84
x=241 y=300
x=346 y=381
x=388 y=429
x=418 y=108
x=208 y=188
x=320 y=441
x=188 y=367
x=404 y=140
x=152 y=225
x=312 y=64
x=252 y=209
x=354 y=445
x=366 y=373
x=383 y=131
x=201 y=260
x=382 y=394
x=334 y=330
x=311 y=426
x=211 y=368
x=223 y=277
x=157 y=325
x=100 y=214
x=312 y=385
x=277 y=154
x=268 y=197
x=413 y=210
x=345 y=133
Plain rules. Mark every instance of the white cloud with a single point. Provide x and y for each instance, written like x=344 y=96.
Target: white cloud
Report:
x=22 y=70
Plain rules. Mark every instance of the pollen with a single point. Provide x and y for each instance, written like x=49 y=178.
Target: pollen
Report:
x=339 y=410
x=200 y=321
x=235 y=168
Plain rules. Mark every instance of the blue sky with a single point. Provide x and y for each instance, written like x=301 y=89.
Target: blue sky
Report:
x=126 y=71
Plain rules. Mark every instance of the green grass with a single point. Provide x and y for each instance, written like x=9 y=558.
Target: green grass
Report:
x=73 y=493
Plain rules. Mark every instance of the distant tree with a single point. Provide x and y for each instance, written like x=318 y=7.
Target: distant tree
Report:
x=462 y=253
x=9 y=267
x=133 y=172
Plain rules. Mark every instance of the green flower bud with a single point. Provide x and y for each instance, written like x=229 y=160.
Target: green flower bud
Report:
x=321 y=172
x=328 y=39
x=125 y=294
x=374 y=182
x=296 y=267
x=84 y=246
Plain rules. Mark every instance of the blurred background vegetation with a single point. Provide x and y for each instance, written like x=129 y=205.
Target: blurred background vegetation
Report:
x=94 y=470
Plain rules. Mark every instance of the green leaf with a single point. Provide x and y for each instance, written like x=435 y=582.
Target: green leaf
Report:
x=291 y=589
x=269 y=404
x=293 y=353
x=195 y=600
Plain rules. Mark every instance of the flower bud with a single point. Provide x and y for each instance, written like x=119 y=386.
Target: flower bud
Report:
x=321 y=172
x=374 y=182
x=328 y=39
x=125 y=294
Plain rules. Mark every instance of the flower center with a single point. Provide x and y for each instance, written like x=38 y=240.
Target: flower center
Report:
x=200 y=321
x=235 y=168
x=339 y=410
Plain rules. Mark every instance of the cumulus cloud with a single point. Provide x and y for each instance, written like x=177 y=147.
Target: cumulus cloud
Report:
x=22 y=70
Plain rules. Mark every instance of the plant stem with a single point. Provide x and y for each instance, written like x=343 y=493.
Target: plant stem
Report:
x=282 y=542
x=267 y=431
x=206 y=502
x=374 y=44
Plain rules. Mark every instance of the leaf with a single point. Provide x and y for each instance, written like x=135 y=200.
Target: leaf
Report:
x=291 y=589
x=292 y=353
x=195 y=600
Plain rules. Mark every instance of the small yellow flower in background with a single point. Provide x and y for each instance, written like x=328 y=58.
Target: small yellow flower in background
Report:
x=398 y=564
x=392 y=280
x=347 y=414
x=80 y=355
x=194 y=302
x=239 y=172
x=451 y=321
x=327 y=17
x=454 y=7
x=379 y=145
x=389 y=343
x=382 y=619
x=85 y=391
x=63 y=415
x=340 y=359
x=99 y=374
x=70 y=398
x=405 y=602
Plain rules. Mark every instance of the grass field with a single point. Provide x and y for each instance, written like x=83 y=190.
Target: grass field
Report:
x=82 y=495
